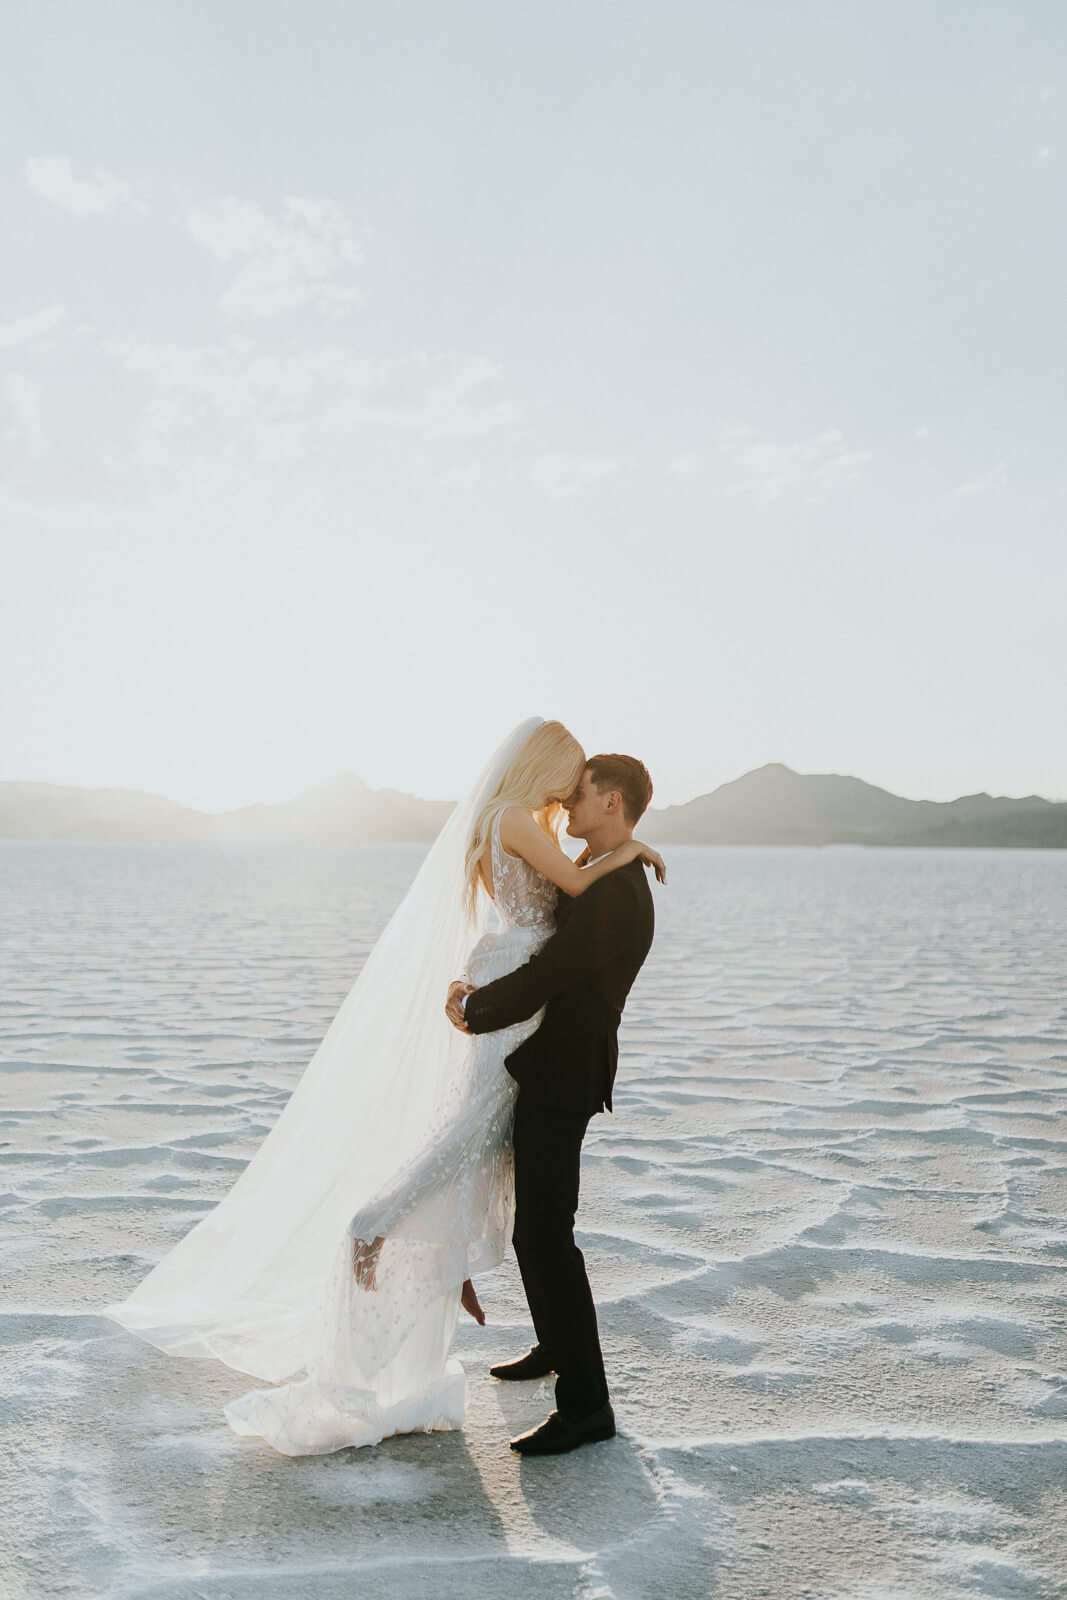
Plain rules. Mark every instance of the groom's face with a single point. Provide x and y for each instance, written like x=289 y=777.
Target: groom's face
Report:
x=585 y=808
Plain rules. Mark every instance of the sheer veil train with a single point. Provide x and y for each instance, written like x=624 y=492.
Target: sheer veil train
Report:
x=256 y=1281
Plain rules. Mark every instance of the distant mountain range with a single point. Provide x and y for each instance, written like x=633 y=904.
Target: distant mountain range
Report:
x=343 y=809
x=772 y=805
x=775 y=805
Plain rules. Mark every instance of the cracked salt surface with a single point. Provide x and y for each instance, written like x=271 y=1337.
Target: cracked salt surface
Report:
x=825 y=1229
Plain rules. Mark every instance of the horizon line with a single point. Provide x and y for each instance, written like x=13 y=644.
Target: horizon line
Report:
x=47 y=783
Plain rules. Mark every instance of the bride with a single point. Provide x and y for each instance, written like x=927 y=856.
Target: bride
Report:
x=339 y=1259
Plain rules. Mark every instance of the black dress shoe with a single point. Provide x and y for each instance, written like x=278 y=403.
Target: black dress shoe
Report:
x=534 y=1365
x=557 y=1435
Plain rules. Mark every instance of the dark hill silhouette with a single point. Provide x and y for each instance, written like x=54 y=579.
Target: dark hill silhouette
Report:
x=774 y=805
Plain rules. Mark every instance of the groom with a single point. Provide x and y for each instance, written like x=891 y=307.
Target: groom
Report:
x=565 y=1071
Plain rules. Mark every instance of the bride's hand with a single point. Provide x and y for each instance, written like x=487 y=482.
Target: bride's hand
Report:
x=652 y=858
x=453 y=1009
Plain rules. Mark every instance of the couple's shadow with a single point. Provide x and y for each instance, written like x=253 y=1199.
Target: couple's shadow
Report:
x=590 y=1498
x=475 y=1493
x=237 y=1507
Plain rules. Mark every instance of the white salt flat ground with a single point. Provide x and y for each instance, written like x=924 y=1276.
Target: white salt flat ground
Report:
x=826 y=1229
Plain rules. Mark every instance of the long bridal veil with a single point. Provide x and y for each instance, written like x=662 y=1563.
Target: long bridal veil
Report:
x=245 y=1284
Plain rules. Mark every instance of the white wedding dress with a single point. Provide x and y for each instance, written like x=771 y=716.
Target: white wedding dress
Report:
x=400 y=1128
x=378 y=1360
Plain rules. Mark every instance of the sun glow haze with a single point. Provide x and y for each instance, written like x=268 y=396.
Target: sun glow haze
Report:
x=688 y=373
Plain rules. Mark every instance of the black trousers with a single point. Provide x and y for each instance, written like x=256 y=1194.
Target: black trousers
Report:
x=548 y=1147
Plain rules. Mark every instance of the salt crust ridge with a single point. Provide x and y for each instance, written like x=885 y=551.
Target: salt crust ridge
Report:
x=825 y=1227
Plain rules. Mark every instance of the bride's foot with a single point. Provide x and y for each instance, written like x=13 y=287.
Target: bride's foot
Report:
x=469 y=1301
x=365 y=1262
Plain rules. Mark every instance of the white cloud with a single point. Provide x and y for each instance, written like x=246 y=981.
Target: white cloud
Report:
x=21 y=433
x=991 y=480
x=53 y=177
x=562 y=475
x=43 y=475
x=188 y=422
x=271 y=405
x=305 y=259
x=25 y=328
x=687 y=464
x=461 y=477
x=769 y=471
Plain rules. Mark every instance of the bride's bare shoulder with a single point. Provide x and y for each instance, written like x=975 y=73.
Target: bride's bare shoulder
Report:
x=517 y=825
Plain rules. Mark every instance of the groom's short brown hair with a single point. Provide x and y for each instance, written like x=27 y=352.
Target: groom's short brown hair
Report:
x=629 y=776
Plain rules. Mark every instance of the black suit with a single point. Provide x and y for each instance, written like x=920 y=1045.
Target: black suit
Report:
x=565 y=1071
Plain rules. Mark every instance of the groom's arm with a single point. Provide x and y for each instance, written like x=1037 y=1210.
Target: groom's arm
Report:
x=599 y=926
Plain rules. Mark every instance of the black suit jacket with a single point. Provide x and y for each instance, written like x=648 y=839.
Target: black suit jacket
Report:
x=582 y=976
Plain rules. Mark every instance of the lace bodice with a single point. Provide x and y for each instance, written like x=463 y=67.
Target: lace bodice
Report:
x=524 y=897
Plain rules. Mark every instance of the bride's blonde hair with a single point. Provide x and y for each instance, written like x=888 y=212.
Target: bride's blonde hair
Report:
x=541 y=774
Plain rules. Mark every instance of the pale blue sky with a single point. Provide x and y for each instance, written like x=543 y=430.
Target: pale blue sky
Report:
x=374 y=376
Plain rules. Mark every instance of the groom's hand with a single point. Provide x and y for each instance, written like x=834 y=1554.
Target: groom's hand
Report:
x=453 y=1009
